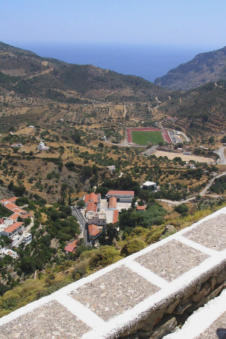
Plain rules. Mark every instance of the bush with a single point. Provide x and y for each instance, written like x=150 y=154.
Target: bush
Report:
x=182 y=209
x=132 y=246
x=106 y=255
x=155 y=234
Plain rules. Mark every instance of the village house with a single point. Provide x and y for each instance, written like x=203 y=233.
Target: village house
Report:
x=70 y=248
x=13 y=229
x=121 y=196
x=42 y=146
x=149 y=185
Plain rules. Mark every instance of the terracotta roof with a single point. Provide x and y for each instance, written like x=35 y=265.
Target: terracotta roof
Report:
x=71 y=246
x=141 y=208
x=3 y=201
x=112 y=192
x=13 y=199
x=112 y=202
x=91 y=207
x=13 y=227
x=115 y=216
x=12 y=207
x=14 y=216
x=94 y=230
x=92 y=197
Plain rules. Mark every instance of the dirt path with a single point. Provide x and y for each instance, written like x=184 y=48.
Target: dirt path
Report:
x=47 y=71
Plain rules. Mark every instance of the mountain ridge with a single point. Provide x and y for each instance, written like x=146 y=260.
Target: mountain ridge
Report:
x=203 y=68
x=45 y=77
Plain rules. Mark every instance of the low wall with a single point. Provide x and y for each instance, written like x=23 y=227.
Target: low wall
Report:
x=173 y=312
x=146 y=295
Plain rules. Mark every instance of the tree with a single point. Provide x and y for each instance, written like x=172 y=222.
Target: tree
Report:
x=211 y=140
x=223 y=140
x=81 y=204
x=76 y=136
x=182 y=209
x=132 y=246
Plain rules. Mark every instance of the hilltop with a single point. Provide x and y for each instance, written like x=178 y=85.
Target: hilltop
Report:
x=204 y=68
x=28 y=74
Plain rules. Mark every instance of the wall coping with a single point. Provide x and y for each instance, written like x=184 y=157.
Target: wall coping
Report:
x=130 y=279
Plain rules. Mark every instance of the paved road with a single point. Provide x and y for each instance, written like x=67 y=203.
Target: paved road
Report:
x=176 y=202
x=202 y=193
x=82 y=222
x=221 y=153
x=210 y=183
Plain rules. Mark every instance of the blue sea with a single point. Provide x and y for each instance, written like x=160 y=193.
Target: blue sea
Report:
x=148 y=62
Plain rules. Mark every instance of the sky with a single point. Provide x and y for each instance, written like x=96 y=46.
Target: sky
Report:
x=183 y=23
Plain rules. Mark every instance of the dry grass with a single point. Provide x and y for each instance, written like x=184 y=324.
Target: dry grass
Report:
x=172 y=155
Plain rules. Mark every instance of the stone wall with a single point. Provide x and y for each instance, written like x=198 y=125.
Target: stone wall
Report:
x=176 y=310
x=145 y=295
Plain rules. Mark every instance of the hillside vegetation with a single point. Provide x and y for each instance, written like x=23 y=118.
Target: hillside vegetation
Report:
x=28 y=74
x=204 y=68
x=200 y=111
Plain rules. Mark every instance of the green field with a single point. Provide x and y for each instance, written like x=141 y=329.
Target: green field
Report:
x=146 y=137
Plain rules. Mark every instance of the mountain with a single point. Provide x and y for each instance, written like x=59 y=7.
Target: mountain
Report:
x=199 y=111
x=204 y=68
x=28 y=74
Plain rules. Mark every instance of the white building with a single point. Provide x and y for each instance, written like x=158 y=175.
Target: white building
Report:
x=27 y=238
x=149 y=185
x=11 y=253
x=42 y=146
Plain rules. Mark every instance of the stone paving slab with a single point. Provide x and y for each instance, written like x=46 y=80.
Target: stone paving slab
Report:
x=114 y=292
x=171 y=260
x=49 y=321
x=210 y=233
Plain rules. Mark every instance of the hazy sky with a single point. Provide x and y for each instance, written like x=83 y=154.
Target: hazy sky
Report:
x=161 y=22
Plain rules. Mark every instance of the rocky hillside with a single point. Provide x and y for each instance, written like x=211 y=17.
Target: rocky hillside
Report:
x=204 y=68
x=201 y=110
x=28 y=74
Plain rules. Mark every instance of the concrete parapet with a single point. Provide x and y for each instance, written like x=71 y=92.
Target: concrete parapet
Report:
x=146 y=295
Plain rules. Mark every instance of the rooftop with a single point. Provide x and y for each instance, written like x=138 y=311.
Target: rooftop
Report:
x=91 y=207
x=71 y=246
x=115 y=192
x=115 y=216
x=92 y=197
x=149 y=183
x=94 y=230
x=141 y=208
x=13 y=227
x=112 y=202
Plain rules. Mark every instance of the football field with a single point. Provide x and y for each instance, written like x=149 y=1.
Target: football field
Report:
x=146 y=137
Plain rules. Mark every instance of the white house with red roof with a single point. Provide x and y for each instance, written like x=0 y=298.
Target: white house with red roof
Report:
x=11 y=230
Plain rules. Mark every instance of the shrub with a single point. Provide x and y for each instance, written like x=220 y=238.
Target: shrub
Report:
x=155 y=234
x=106 y=255
x=132 y=246
x=182 y=209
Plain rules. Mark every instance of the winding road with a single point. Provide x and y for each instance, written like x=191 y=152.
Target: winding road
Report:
x=222 y=156
x=202 y=193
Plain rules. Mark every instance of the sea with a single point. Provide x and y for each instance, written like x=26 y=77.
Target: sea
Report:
x=146 y=61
